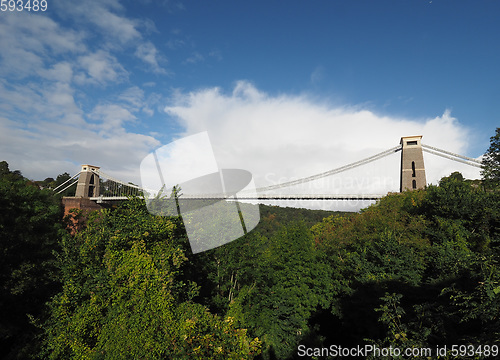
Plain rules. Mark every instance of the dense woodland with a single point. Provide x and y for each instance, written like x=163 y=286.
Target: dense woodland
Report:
x=417 y=269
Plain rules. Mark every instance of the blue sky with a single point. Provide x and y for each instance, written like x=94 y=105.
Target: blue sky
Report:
x=288 y=88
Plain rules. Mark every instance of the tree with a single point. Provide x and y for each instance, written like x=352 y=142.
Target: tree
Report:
x=125 y=295
x=30 y=226
x=491 y=161
x=61 y=178
x=4 y=168
x=420 y=268
x=278 y=284
x=9 y=175
x=457 y=209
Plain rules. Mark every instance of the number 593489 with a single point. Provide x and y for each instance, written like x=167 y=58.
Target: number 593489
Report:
x=23 y=5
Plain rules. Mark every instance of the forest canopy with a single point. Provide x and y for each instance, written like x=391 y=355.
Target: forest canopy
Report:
x=418 y=269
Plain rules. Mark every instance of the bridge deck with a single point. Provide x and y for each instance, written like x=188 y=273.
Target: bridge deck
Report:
x=265 y=197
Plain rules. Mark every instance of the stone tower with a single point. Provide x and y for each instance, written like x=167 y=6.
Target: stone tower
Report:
x=88 y=183
x=412 y=164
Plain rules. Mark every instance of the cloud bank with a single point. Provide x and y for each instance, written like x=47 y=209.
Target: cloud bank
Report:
x=286 y=137
x=49 y=119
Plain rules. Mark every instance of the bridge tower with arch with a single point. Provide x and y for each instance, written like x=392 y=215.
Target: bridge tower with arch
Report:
x=412 y=176
x=88 y=183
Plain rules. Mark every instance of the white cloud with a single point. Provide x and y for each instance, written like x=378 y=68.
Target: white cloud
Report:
x=100 y=68
x=46 y=148
x=216 y=54
x=29 y=28
x=20 y=39
x=49 y=123
x=134 y=99
x=43 y=132
x=134 y=96
x=111 y=118
x=280 y=138
x=149 y=26
x=174 y=44
x=317 y=75
x=148 y=53
x=34 y=102
x=117 y=32
x=196 y=57
x=61 y=72
x=116 y=26
x=105 y=16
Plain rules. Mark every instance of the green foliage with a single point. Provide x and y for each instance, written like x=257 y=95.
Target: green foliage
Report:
x=124 y=295
x=386 y=259
x=272 y=286
x=30 y=226
x=433 y=253
x=417 y=269
x=383 y=243
x=391 y=315
x=10 y=176
x=422 y=245
x=476 y=300
x=390 y=214
x=60 y=179
x=459 y=210
x=491 y=162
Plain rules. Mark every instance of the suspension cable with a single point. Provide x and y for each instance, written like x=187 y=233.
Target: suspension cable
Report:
x=67 y=187
x=104 y=175
x=331 y=172
x=452 y=154
x=468 y=162
x=58 y=186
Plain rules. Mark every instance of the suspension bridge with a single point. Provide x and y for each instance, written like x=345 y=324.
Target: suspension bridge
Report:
x=97 y=186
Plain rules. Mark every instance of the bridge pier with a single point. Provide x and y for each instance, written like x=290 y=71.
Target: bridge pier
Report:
x=412 y=164
x=84 y=204
x=87 y=186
